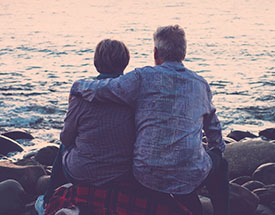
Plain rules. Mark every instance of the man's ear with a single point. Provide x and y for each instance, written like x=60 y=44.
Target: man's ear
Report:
x=158 y=61
x=155 y=53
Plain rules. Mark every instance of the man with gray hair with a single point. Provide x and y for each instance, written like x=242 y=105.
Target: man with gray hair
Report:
x=172 y=107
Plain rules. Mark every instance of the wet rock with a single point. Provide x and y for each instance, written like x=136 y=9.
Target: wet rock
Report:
x=241 y=180
x=27 y=176
x=46 y=155
x=18 y=135
x=245 y=156
x=266 y=195
x=206 y=205
x=265 y=173
x=9 y=145
x=252 y=185
x=26 y=162
x=268 y=133
x=42 y=184
x=242 y=201
x=12 y=197
x=228 y=140
x=239 y=135
x=263 y=210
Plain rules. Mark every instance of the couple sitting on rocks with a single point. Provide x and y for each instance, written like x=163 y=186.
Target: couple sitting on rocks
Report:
x=132 y=144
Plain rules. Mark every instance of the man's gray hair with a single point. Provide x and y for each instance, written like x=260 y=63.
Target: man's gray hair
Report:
x=170 y=43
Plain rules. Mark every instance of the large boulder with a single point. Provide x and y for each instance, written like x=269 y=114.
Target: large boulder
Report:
x=9 y=145
x=252 y=185
x=242 y=201
x=265 y=173
x=266 y=195
x=263 y=210
x=245 y=156
x=27 y=176
x=47 y=155
x=18 y=135
x=268 y=133
x=241 y=179
x=206 y=205
x=12 y=197
x=239 y=135
x=42 y=184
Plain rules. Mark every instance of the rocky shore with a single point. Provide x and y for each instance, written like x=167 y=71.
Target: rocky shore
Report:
x=251 y=162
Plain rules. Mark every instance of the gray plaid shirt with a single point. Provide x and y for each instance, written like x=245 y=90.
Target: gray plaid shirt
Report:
x=172 y=106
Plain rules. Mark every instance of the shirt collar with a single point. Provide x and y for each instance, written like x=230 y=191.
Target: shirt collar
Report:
x=173 y=64
x=104 y=75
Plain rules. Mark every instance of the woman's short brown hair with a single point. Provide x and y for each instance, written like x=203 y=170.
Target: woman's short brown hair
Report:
x=111 y=56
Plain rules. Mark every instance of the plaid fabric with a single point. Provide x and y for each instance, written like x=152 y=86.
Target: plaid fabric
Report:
x=115 y=200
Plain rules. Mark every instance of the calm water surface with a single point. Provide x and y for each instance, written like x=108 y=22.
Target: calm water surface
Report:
x=46 y=45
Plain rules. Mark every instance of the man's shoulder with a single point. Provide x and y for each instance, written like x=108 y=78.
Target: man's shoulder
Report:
x=196 y=76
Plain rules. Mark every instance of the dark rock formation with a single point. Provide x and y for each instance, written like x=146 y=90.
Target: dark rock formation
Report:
x=266 y=195
x=268 y=133
x=239 y=135
x=265 y=173
x=241 y=180
x=27 y=176
x=242 y=201
x=252 y=185
x=245 y=156
x=18 y=135
x=46 y=155
x=9 y=145
x=12 y=197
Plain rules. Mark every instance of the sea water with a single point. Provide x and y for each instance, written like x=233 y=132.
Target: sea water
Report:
x=46 y=45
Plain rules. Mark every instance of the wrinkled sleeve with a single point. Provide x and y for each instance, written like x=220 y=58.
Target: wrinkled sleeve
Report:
x=212 y=127
x=69 y=131
x=123 y=90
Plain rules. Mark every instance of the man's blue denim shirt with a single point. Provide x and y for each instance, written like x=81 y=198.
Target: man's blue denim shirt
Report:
x=172 y=106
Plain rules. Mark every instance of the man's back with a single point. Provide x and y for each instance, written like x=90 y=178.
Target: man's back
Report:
x=168 y=154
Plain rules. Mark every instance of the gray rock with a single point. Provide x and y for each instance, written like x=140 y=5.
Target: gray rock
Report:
x=9 y=145
x=42 y=184
x=263 y=210
x=239 y=135
x=18 y=135
x=207 y=207
x=268 y=133
x=245 y=156
x=46 y=155
x=12 y=197
x=265 y=173
x=242 y=201
x=252 y=185
x=241 y=180
x=228 y=140
x=266 y=195
x=27 y=176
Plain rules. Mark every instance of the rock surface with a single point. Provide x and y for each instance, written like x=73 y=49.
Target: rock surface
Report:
x=242 y=201
x=27 y=176
x=239 y=135
x=252 y=185
x=46 y=155
x=268 y=133
x=12 y=197
x=265 y=173
x=245 y=156
x=9 y=145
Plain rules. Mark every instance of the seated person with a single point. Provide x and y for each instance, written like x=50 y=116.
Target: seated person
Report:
x=96 y=154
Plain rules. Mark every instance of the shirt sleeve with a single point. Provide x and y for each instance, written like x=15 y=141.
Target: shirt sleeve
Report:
x=212 y=127
x=69 y=131
x=122 y=90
